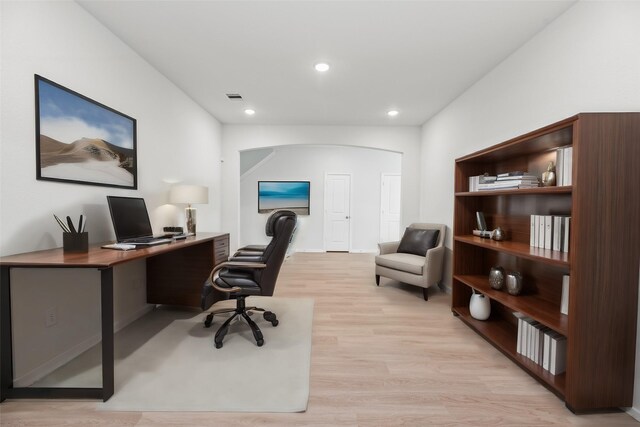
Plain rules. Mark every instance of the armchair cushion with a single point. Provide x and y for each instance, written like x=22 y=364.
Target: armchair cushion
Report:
x=418 y=241
x=403 y=262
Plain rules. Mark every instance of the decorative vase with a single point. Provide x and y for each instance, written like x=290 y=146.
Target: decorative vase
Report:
x=497 y=234
x=496 y=278
x=479 y=306
x=514 y=283
x=549 y=177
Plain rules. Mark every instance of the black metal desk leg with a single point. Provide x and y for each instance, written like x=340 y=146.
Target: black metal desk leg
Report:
x=106 y=301
x=6 y=352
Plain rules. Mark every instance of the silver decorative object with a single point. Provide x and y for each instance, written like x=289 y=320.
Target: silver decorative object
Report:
x=496 y=278
x=497 y=234
x=549 y=177
x=514 y=283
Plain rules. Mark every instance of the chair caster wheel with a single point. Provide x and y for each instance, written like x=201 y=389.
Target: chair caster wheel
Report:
x=218 y=345
x=270 y=317
x=260 y=343
x=208 y=321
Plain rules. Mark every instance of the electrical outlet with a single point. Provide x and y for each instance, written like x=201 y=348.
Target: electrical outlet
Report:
x=51 y=317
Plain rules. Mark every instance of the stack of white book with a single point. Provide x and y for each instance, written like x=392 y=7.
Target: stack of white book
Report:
x=510 y=180
x=541 y=344
x=564 y=165
x=550 y=232
x=475 y=181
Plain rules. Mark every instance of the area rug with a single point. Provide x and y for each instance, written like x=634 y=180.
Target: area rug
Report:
x=167 y=361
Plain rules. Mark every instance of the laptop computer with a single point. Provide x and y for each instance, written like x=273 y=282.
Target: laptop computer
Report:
x=131 y=222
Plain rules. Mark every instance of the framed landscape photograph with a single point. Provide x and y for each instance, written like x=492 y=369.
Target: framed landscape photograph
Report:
x=291 y=195
x=82 y=141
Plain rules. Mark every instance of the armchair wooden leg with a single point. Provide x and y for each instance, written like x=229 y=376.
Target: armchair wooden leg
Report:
x=377 y=280
x=425 y=293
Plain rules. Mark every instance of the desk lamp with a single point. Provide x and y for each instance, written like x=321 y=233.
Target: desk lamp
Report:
x=189 y=194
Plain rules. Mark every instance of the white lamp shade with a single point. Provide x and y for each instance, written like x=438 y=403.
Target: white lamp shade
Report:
x=188 y=194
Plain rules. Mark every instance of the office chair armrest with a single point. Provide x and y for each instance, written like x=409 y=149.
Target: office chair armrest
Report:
x=249 y=251
x=232 y=264
x=245 y=258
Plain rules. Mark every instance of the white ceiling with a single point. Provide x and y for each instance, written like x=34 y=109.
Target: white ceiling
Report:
x=413 y=56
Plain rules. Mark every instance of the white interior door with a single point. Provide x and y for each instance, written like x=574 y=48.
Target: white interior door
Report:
x=337 y=211
x=390 y=207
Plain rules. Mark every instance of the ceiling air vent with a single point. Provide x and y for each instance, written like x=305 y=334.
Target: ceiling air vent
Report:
x=234 y=96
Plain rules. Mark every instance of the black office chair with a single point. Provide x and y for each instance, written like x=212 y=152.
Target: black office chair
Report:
x=252 y=276
x=257 y=250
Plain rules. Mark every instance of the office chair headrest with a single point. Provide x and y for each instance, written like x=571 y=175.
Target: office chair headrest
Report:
x=273 y=218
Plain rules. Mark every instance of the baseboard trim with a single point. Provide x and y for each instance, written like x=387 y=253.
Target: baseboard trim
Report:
x=310 y=250
x=363 y=251
x=634 y=412
x=66 y=356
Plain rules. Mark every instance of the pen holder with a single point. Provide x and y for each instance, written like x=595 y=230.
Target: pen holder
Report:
x=75 y=242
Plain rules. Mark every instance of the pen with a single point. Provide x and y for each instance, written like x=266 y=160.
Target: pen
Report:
x=71 y=227
x=61 y=224
x=80 y=224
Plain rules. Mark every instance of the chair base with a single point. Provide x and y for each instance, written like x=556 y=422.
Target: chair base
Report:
x=243 y=311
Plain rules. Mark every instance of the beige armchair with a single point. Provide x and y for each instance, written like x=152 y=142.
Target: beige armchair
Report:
x=424 y=271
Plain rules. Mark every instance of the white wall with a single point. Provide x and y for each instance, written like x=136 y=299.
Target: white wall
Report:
x=177 y=141
x=585 y=61
x=310 y=163
x=236 y=138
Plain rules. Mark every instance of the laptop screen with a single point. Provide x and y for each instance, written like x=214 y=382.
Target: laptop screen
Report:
x=130 y=217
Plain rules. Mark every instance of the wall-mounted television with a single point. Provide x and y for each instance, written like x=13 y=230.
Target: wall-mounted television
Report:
x=292 y=195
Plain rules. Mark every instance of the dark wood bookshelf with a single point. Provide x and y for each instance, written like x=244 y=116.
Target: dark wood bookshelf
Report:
x=602 y=261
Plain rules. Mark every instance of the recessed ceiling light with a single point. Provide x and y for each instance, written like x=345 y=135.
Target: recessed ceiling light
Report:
x=392 y=113
x=249 y=112
x=321 y=67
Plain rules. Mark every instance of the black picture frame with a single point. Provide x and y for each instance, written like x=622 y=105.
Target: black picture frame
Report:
x=291 y=195
x=81 y=141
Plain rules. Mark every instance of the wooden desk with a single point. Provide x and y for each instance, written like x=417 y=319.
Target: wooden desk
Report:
x=175 y=275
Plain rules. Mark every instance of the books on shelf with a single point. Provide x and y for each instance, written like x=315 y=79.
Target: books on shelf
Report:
x=541 y=344
x=564 y=300
x=473 y=183
x=503 y=181
x=564 y=165
x=550 y=232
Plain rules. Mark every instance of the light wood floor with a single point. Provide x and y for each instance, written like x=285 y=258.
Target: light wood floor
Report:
x=381 y=356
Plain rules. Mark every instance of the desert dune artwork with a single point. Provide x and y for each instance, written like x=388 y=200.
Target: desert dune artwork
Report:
x=82 y=141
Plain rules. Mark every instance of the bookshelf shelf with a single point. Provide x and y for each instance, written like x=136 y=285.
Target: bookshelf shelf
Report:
x=602 y=261
x=522 y=250
x=521 y=191
x=544 y=311
x=502 y=335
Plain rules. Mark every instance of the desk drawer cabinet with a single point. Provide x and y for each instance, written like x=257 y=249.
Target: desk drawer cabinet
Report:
x=220 y=249
x=176 y=278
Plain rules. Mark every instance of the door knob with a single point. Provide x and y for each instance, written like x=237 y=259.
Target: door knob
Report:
x=346 y=217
